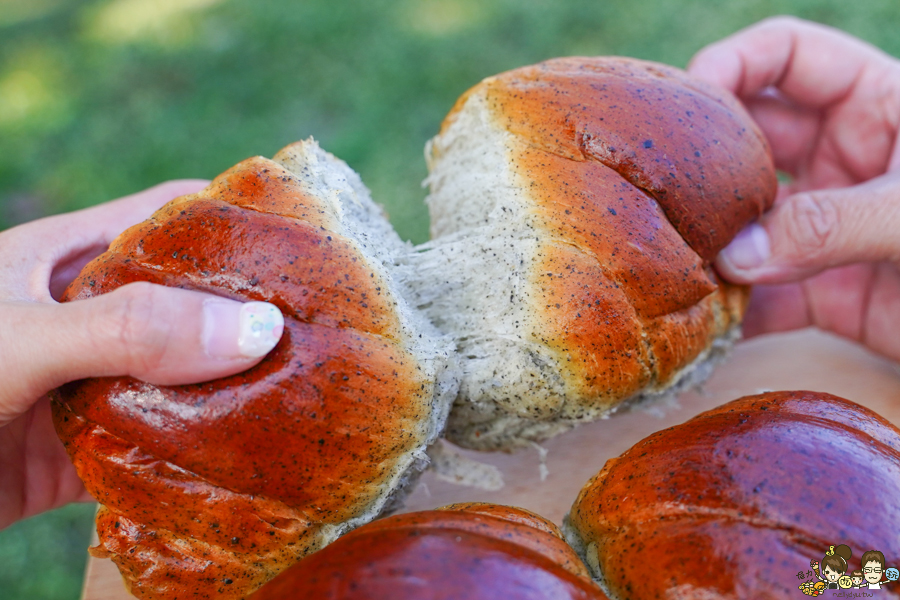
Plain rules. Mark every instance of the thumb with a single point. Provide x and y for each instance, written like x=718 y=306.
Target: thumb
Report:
x=161 y=335
x=812 y=231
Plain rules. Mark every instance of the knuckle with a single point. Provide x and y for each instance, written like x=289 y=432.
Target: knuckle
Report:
x=812 y=224
x=140 y=328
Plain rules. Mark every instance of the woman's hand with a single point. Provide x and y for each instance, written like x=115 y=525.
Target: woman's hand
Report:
x=162 y=335
x=829 y=250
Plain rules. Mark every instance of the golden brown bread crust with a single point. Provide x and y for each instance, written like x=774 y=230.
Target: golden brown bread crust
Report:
x=615 y=183
x=690 y=146
x=209 y=490
x=738 y=500
x=469 y=551
x=528 y=529
x=591 y=207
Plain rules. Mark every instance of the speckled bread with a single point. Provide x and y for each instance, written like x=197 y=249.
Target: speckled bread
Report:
x=738 y=500
x=576 y=206
x=210 y=490
x=460 y=552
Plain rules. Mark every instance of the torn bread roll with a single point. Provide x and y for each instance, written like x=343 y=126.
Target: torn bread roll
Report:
x=210 y=490
x=576 y=207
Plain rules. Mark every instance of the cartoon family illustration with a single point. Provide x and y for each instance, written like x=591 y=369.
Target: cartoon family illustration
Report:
x=833 y=574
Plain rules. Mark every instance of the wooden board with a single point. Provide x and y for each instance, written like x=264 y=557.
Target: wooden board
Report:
x=802 y=360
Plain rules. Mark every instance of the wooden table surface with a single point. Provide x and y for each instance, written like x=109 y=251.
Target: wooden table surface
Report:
x=802 y=360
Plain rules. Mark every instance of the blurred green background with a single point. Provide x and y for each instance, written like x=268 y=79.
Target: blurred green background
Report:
x=103 y=98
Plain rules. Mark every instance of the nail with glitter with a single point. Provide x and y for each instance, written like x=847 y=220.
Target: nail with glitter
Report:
x=261 y=326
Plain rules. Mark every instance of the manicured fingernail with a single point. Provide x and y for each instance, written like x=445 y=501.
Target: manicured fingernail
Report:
x=232 y=329
x=261 y=328
x=749 y=249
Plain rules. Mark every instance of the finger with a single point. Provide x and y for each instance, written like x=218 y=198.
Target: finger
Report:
x=161 y=335
x=852 y=86
x=109 y=219
x=37 y=474
x=810 y=232
x=860 y=302
x=811 y=64
x=775 y=308
x=62 y=274
x=792 y=131
x=836 y=300
x=48 y=253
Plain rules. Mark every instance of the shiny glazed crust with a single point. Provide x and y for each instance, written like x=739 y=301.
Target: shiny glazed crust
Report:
x=466 y=551
x=210 y=490
x=576 y=206
x=738 y=500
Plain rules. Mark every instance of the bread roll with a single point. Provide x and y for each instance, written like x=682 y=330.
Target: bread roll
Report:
x=460 y=552
x=576 y=206
x=737 y=501
x=210 y=490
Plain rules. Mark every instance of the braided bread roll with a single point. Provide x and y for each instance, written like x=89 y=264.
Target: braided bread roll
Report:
x=738 y=500
x=576 y=206
x=470 y=551
x=210 y=490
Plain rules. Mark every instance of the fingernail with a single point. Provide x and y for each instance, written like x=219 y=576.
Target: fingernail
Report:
x=234 y=329
x=749 y=249
x=261 y=327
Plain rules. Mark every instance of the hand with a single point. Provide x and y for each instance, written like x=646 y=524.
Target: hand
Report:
x=161 y=335
x=829 y=249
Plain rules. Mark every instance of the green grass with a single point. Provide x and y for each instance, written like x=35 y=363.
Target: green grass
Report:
x=43 y=557
x=102 y=98
x=94 y=109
